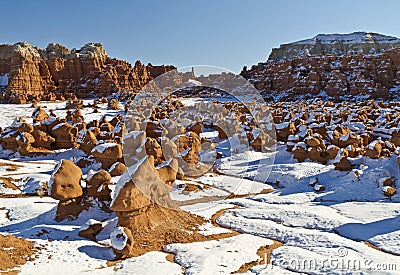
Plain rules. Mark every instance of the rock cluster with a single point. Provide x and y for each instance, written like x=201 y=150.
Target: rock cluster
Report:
x=324 y=132
x=56 y=72
x=357 y=74
x=65 y=186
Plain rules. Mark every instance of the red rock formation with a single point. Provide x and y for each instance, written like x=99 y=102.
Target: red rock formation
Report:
x=350 y=74
x=35 y=74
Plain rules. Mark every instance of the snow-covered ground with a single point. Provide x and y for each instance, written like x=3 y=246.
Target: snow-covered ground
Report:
x=10 y=111
x=350 y=227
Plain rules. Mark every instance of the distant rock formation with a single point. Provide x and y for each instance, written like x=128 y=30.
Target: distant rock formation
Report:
x=28 y=73
x=335 y=68
x=336 y=44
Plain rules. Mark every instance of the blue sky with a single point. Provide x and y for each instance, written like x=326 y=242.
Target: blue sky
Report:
x=224 y=33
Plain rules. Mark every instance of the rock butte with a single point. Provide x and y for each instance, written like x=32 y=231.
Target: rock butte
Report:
x=56 y=72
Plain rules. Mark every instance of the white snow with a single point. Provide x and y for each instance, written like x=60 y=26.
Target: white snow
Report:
x=3 y=80
x=313 y=225
x=104 y=146
x=118 y=238
x=89 y=223
x=218 y=256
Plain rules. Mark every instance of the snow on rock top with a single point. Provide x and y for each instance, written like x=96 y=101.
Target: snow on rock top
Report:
x=126 y=177
x=102 y=147
x=51 y=181
x=89 y=223
x=118 y=238
x=350 y=38
x=336 y=44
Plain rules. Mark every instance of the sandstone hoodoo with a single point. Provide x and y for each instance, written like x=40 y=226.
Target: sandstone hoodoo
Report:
x=66 y=186
x=65 y=183
x=32 y=74
x=330 y=65
x=147 y=217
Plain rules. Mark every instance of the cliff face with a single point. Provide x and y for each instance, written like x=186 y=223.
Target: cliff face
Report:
x=28 y=73
x=336 y=44
x=375 y=75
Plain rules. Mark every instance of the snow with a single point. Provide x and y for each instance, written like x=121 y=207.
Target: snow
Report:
x=350 y=38
x=11 y=111
x=148 y=264
x=104 y=146
x=238 y=186
x=312 y=225
x=51 y=181
x=218 y=256
x=89 y=223
x=118 y=238
x=3 y=80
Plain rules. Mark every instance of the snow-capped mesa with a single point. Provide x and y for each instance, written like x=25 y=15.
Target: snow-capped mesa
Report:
x=336 y=44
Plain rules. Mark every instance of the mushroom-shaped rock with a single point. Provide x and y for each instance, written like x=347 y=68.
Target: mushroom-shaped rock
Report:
x=117 y=169
x=87 y=140
x=153 y=148
x=114 y=104
x=300 y=151
x=148 y=220
x=332 y=151
x=154 y=129
x=21 y=125
x=65 y=181
x=341 y=161
x=284 y=130
x=140 y=186
x=97 y=184
x=121 y=242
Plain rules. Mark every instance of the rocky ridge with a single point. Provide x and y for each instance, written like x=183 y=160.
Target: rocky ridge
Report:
x=290 y=74
x=336 y=44
x=28 y=73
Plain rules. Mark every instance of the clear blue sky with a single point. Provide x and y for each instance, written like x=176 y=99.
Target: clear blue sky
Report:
x=226 y=33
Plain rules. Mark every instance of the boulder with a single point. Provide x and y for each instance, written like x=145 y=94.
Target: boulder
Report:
x=389 y=191
x=117 y=169
x=122 y=242
x=65 y=135
x=64 y=183
x=42 y=140
x=373 y=150
x=39 y=115
x=97 y=185
x=107 y=153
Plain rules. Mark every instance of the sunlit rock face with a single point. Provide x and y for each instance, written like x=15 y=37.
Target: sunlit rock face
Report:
x=29 y=73
x=357 y=64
